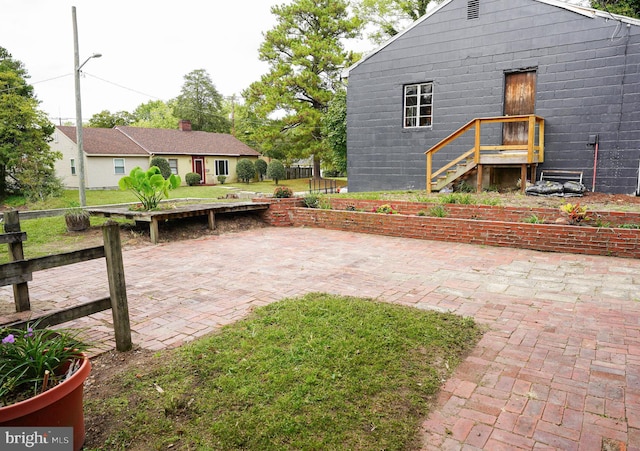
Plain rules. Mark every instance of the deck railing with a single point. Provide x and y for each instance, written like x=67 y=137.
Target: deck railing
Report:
x=534 y=148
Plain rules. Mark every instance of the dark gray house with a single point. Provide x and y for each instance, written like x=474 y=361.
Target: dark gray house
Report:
x=519 y=87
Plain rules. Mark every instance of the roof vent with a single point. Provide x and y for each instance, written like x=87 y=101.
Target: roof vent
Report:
x=473 y=9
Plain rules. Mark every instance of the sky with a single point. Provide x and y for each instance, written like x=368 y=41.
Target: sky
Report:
x=147 y=48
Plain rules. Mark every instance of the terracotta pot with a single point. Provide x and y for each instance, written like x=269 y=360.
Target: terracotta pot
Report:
x=60 y=406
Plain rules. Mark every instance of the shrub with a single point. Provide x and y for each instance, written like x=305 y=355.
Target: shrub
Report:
x=282 y=192
x=312 y=200
x=222 y=179
x=246 y=170
x=163 y=165
x=261 y=168
x=192 y=178
x=276 y=171
x=465 y=187
x=331 y=173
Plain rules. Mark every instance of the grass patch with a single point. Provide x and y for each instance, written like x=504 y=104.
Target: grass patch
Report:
x=47 y=236
x=115 y=196
x=318 y=372
x=438 y=211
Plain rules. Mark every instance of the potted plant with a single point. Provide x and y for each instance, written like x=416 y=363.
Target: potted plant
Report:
x=77 y=219
x=42 y=372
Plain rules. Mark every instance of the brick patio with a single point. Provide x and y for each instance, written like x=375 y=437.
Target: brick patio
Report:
x=558 y=368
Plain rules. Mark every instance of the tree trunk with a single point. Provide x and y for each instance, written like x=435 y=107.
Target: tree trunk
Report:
x=316 y=167
x=3 y=181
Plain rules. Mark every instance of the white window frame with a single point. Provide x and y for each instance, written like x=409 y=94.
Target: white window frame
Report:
x=116 y=166
x=73 y=166
x=418 y=105
x=226 y=167
x=174 y=169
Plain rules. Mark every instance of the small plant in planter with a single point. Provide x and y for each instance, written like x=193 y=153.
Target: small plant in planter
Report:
x=34 y=360
x=149 y=186
x=222 y=179
x=312 y=200
x=575 y=213
x=385 y=209
x=282 y=192
x=42 y=372
x=534 y=219
x=77 y=218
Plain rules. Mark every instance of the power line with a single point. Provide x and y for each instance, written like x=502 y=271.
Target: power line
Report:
x=121 y=86
x=35 y=83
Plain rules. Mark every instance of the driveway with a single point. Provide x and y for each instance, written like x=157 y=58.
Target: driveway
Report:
x=558 y=368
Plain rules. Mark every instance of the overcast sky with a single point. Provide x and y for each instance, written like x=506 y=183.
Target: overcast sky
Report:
x=147 y=47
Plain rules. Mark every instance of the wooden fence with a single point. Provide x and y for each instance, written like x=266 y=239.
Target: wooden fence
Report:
x=19 y=272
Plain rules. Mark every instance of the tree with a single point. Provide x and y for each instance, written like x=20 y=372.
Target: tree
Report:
x=25 y=131
x=629 y=8
x=276 y=171
x=163 y=165
x=261 y=168
x=201 y=103
x=389 y=17
x=246 y=170
x=305 y=55
x=106 y=119
x=334 y=125
x=155 y=114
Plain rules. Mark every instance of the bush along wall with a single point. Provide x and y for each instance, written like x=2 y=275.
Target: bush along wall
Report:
x=472 y=224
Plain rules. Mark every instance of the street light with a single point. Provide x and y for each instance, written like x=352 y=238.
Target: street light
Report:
x=77 y=67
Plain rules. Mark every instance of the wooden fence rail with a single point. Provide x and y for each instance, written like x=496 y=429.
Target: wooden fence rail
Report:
x=19 y=272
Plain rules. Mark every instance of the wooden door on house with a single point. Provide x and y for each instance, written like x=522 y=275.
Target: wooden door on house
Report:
x=198 y=168
x=519 y=98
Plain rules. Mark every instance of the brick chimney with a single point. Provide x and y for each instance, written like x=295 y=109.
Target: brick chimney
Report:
x=184 y=125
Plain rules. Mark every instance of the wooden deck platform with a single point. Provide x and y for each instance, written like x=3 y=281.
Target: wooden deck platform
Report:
x=178 y=212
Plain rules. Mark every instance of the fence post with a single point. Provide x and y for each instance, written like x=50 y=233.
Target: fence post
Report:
x=20 y=290
x=117 y=285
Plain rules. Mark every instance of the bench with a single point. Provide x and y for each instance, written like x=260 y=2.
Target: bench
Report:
x=561 y=176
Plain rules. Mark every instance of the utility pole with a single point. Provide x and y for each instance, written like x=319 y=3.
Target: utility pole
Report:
x=77 y=66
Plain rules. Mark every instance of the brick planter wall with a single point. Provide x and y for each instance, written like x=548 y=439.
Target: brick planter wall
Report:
x=279 y=213
x=504 y=229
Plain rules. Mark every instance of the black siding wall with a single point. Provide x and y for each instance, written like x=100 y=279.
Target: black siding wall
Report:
x=588 y=82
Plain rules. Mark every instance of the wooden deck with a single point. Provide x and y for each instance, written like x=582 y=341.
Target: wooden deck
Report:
x=178 y=212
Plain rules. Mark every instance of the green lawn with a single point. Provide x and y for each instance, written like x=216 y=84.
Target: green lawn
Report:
x=105 y=197
x=46 y=235
x=311 y=373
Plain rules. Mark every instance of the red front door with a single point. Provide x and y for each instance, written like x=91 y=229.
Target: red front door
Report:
x=198 y=168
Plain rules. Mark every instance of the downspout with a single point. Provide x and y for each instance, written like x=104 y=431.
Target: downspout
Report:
x=595 y=163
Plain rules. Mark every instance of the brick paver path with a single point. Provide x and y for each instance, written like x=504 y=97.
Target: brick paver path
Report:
x=558 y=368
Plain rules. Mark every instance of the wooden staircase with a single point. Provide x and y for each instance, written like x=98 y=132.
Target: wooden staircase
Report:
x=523 y=155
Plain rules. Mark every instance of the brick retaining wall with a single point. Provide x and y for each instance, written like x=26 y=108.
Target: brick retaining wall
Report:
x=505 y=228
